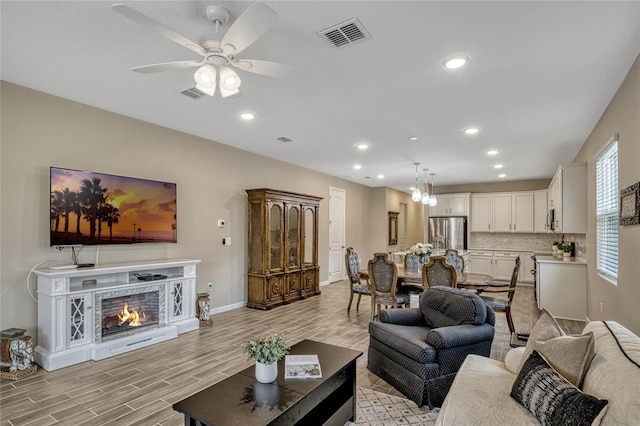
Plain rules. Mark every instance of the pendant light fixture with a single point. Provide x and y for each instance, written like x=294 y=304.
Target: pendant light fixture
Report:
x=433 y=201
x=415 y=195
x=425 y=195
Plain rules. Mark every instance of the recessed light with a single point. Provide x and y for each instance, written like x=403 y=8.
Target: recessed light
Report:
x=472 y=130
x=357 y=166
x=362 y=146
x=502 y=175
x=413 y=138
x=498 y=166
x=247 y=115
x=380 y=176
x=455 y=61
x=492 y=152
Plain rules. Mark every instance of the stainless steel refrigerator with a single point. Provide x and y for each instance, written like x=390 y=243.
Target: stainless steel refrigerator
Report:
x=448 y=232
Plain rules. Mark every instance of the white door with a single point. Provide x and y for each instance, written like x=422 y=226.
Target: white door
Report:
x=336 y=234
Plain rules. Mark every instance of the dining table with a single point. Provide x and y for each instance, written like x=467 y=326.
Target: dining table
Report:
x=413 y=278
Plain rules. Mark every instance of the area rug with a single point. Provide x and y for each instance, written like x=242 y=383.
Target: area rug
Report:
x=377 y=408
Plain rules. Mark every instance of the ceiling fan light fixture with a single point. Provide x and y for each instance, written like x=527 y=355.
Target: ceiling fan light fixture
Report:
x=229 y=79
x=205 y=78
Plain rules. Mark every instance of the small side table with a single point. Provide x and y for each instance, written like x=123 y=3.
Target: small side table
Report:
x=6 y=338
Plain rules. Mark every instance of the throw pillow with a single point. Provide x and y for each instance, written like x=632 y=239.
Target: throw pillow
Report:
x=569 y=355
x=552 y=399
x=512 y=360
x=545 y=329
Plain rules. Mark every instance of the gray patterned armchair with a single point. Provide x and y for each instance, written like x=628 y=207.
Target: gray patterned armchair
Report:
x=419 y=350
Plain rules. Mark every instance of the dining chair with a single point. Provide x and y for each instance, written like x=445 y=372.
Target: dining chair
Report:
x=352 y=261
x=437 y=272
x=383 y=277
x=412 y=261
x=454 y=258
x=504 y=305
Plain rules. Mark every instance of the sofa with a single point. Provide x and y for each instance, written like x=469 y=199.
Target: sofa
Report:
x=481 y=392
x=419 y=350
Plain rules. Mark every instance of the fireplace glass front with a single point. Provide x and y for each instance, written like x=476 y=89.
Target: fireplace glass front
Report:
x=130 y=313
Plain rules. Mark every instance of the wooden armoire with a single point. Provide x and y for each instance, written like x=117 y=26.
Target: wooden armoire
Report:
x=283 y=247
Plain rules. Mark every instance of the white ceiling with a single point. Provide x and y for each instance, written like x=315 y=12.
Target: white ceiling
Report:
x=540 y=76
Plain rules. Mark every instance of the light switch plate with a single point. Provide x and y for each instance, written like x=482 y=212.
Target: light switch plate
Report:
x=221 y=223
x=226 y=241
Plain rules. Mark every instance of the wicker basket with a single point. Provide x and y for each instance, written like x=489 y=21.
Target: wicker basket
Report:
x=17 y=375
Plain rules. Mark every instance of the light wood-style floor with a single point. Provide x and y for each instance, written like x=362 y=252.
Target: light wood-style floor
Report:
x=140 y=387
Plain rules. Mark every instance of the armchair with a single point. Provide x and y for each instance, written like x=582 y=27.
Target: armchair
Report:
x=419 y=350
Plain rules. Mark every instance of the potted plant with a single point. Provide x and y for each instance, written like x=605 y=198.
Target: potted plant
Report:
x=566 y=249
x=554 y=247
x=266 y=351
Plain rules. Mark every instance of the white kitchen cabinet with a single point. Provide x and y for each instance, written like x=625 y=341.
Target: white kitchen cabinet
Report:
x=481 y=262
x=562 y=287
x=568 y=199
x=481 y=213
x=526 y=266
x=540 y=211
x=503 y=263
x=522 y=211
x=450 y=205
x=499 y=263
x=502 y=212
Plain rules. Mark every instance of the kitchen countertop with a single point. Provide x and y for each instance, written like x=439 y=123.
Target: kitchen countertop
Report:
x=536 y=252
x=553 y=259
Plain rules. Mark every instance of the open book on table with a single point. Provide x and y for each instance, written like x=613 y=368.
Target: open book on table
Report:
x=302 y=367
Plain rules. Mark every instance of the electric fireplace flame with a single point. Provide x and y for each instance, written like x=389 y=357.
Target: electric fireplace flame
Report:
x=132 y=312
x=134 y=318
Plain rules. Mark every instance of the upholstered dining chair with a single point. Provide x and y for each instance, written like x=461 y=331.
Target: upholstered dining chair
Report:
x=352 y=261
x=504 y=305
x=383 y=277
x=412 y=261
x=437 y=272
x=453 y=258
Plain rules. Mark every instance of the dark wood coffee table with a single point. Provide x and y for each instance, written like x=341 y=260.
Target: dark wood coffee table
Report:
x=241 y=400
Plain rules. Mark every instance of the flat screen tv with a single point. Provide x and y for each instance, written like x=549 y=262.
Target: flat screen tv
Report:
x=88 y=208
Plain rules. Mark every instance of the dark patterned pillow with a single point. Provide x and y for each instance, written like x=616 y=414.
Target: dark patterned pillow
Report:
x=551 y=398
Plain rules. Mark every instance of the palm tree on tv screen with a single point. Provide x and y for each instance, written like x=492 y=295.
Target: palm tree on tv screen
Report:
x=112 y=216
x=68 y=199
x=57 y=203
x=91 y=198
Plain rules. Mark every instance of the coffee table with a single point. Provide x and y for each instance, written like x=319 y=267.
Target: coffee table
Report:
x=241 y=400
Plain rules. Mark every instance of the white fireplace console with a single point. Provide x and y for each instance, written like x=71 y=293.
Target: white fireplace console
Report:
x=69 y=309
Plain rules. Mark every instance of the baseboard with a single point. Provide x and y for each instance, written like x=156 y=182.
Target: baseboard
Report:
x=227 y=307
x=324 y=283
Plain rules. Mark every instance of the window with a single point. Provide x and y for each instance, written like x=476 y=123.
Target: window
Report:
x=607 y=211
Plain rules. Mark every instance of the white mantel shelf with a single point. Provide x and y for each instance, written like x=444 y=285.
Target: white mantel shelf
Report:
x=69 y=321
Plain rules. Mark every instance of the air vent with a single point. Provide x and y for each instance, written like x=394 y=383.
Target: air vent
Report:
x=345 y=33
x=284 y=139
x=193 y=93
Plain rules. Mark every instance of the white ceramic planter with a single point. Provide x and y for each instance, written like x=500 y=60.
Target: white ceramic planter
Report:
x=566 y=256
x=266 y=373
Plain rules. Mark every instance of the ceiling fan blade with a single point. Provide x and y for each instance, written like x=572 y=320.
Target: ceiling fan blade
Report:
x=249 y=27
x=165 y=66
x=157 y=27
x=268 y=68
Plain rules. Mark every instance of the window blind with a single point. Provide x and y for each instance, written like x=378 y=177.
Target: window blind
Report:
x=607 y=211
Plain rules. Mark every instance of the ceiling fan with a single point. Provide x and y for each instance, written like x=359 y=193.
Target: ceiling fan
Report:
x=218 y=57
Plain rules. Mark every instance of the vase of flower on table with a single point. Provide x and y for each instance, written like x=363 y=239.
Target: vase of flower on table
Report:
x=423 y=250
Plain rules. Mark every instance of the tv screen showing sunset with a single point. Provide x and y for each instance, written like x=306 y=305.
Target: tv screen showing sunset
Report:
x=96 y=208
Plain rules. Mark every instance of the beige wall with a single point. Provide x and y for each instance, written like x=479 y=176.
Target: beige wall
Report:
x=39 y=131
x=621 y=302
x=507 y=186
x=415 y=217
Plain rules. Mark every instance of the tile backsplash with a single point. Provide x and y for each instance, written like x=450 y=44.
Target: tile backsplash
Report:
x=534 y=242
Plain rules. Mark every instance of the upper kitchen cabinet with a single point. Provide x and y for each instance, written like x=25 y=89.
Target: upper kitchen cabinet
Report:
x=480 y=213
x=540 y=211
x=502 y=212
x=567 y=199
x=450 y=205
